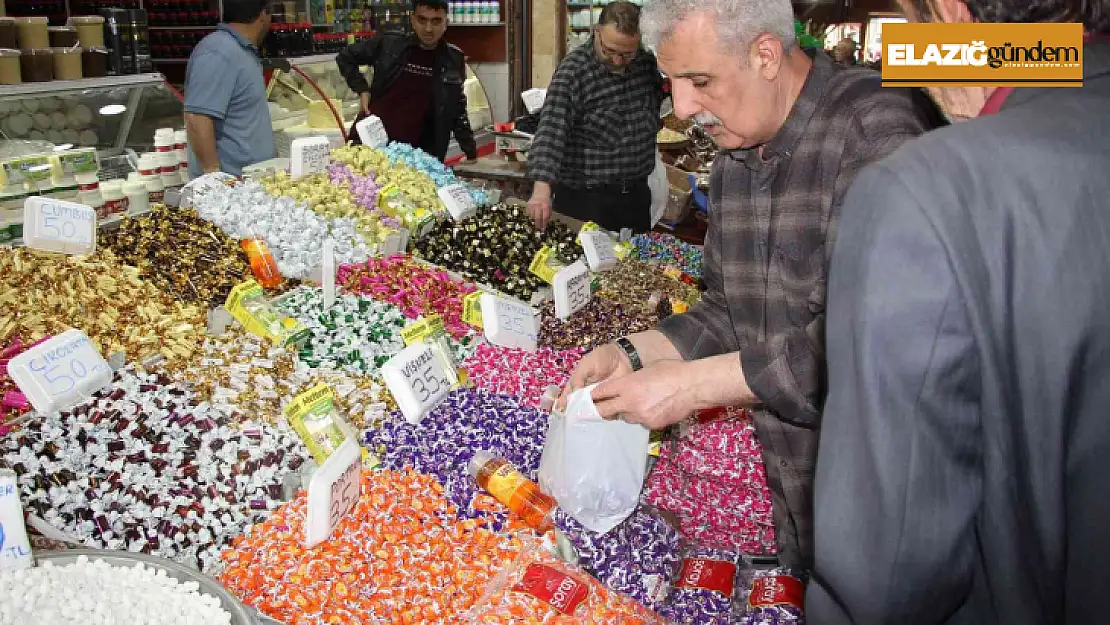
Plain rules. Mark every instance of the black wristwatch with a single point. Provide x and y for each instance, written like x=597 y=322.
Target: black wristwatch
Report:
x=630 y=351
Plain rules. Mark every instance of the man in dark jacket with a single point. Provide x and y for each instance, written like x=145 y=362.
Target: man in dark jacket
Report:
x=417 y=88
x=961 y=472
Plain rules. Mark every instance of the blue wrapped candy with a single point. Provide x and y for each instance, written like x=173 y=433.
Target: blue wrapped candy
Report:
x=440 y=174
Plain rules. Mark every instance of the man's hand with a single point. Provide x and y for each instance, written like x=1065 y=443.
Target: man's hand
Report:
x=364 y=102
x=539 y=207
x=604 y=363
x=655 y=397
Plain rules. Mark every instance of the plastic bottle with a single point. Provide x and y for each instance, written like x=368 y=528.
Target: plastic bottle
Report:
x=138 y=200
x=181 y=149
x=149 y=172
x=88 y=192
x=496 y=11
x=262 y=263
x=115 y=202
x=167 y=159
x=523 y=496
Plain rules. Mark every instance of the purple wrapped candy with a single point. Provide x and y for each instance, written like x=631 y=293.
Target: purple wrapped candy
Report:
x=707 y=584
x=774 y=597
x=636 y=558
x=444 y=441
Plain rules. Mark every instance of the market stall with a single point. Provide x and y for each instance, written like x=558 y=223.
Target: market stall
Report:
x=323 y=396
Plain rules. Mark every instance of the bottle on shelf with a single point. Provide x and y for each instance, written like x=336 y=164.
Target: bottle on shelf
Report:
x=521 y=495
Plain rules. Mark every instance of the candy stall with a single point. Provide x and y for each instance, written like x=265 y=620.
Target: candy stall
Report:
x=324 y=395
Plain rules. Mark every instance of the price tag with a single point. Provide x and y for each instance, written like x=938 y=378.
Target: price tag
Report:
x=572 y=289
x=457 y=199
x=472 y=309
x=333 y=492
x=61 y=372
x=310 y=155
x=203 y=185
x=396 y=243
x=327 y=267
x=371 y=131
x=600 y=254
x=59 y=226
x=417 y=381
x=508 y=323
x=542 y=266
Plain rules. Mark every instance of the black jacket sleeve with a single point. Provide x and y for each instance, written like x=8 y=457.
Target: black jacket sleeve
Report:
x=355 y=55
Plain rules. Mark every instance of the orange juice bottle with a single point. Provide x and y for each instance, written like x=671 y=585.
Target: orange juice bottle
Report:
x=262 y=263
x=510 y=487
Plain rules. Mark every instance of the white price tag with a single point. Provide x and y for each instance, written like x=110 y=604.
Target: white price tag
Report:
x=572 y=289
x=396 y=243
x=508 y=323
x=333 y=492
x=456 y=198
x=327 y=268
x=371 y=131
x=59 y=226
x=308 y=156
x=417 y=380
x=61 y=372
x=201 y=186
x=600 y=253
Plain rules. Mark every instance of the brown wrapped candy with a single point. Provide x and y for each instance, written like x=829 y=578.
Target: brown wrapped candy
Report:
x=637 y=285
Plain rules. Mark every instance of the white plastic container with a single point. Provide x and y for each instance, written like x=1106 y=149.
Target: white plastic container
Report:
x=138 y=201
x=88 y=192
x=115 y=202
x=181 y=146
x=167 y=157
x=152 y=178
x=16 y=553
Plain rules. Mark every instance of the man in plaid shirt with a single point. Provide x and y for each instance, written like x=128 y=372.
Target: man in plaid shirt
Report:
x=595 y=145
x=794 y=129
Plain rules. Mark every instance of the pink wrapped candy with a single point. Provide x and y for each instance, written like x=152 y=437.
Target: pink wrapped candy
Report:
x=523 y=374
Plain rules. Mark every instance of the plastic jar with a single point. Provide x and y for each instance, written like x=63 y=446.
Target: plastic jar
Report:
x=94 y=62
x=33 y=33
x=88 y=192
x=37 y=65
x=62 y=36
x=115 y=202
x=167 y=158
x=181 y=148
x=67 y=63
x=9 y=67
x=152 y=178
x=9 y=34
x=138 y=201
x=90 y=30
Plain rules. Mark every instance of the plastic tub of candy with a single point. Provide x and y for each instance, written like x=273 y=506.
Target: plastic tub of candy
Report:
x=240 y=614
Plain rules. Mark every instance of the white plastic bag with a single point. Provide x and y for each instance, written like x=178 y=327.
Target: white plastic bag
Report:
x=660 y=190
x=594 y=468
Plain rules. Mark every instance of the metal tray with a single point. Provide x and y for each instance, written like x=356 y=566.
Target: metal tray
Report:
x=240 y=614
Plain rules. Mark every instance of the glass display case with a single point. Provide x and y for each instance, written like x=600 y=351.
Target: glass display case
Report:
x=110 y=114
x=301 y=89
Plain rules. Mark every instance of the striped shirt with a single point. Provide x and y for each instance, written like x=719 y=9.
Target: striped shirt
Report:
x=772 y=221
x=597 y=126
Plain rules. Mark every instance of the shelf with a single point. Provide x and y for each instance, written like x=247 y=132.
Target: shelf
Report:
x=477 y=25
x=213 y=27
x=108 y=82
x=581 y=29
x=169 y=60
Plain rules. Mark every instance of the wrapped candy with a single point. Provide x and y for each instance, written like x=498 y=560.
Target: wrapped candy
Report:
x=669 y=250
x=708 y=587
x=430 y=165
x=520 y=373
x=331 y=201
x=597 y=323
x=774 y=597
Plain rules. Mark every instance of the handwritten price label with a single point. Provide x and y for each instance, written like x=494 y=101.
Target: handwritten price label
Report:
x=333 y=492
x=508 y=323
x=417 y=380
x=61 y=372
x=371 y=131
x=458 y=201
x=572 y=289
x=59 y=226
x=600 y=253
x=310 y=155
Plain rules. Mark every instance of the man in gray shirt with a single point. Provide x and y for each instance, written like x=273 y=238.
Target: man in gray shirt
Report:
x=226 y=114
x=961 y=473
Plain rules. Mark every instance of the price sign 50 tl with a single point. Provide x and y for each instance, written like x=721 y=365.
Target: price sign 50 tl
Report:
x=59 y=226
x=60 y=372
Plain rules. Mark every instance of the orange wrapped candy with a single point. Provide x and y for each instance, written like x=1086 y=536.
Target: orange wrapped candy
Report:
x=538 y=589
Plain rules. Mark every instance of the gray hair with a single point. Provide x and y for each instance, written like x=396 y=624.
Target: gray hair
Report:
x=738 y=22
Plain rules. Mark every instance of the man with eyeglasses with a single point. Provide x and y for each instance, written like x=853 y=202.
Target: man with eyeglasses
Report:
x=595 y=145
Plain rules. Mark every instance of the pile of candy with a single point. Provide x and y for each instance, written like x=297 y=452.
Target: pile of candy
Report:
x=773 y=597
x=633 y=283
x=363 y=189
x=294 y=233
x=330 y=201
x=143 y=466
x=598 y=323
x=86 y=591
x=440 y=174
x=181 y=254
x=496 y=247
x=13 y=403
x=399 y=557
x=414 y=288
x=444 y=441
x=669 y=250
x=417 y=188
x=520 y=373
x=713 y=478
x=43 y=294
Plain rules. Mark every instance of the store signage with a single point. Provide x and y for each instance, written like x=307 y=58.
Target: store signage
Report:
x=457 y=199
x=417 y=380
x=371 y=131
x=59 y=226
x=333 y=492
x=508 y=323
x=572 y=289
x=61 y=372
x=600 y=253
x=309 y=155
